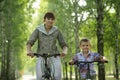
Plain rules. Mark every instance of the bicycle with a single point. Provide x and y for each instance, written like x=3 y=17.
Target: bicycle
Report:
x=47 y=71
x=88 y=77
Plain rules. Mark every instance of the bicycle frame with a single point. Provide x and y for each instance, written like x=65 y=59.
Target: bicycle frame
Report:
x=47 y=71
x=88 y=66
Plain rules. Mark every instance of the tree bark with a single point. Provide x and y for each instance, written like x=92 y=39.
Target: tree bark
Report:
x=76 y=34
x=117 y=8
x=3 y=42
x=100 y=34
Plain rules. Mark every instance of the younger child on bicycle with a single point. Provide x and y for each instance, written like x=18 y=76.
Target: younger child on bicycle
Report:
x=86 y=55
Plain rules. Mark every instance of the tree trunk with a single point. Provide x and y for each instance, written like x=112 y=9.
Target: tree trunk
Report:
x=66 y=70
x=10 y=61
x=100 y=34
x=117 y=8
x=76 y=34
x=3 y=43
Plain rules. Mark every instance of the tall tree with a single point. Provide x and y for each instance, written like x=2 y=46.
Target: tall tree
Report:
x=117 y=9
x=3 y=41
x=13 y=22
x=100 y=34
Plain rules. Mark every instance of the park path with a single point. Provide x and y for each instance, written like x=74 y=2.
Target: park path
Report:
x=28 y=77
x=31 y=77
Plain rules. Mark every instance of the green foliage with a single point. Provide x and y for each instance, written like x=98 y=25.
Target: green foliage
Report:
x=19 y=19
x=17 y=15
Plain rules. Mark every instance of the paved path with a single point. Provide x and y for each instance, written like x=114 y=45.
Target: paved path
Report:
x=28 y=77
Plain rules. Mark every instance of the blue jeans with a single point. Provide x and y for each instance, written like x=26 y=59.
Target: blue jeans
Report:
x=56 y=64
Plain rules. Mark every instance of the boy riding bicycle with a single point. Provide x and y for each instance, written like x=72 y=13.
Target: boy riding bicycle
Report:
x=86 y=55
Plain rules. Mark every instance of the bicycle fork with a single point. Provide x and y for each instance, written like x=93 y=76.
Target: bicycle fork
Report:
x=88 y=72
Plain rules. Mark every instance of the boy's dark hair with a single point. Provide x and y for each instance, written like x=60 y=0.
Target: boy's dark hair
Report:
x=49 y=15
x=84 y=40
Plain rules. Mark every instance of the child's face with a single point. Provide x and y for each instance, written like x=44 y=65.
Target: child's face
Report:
x=85 y=46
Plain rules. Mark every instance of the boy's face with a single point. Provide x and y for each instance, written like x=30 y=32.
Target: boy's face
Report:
x=49 y=22
x=85 y=46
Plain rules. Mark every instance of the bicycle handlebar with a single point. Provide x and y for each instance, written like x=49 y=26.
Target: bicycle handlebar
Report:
x=46 y=55
x=78 y=62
